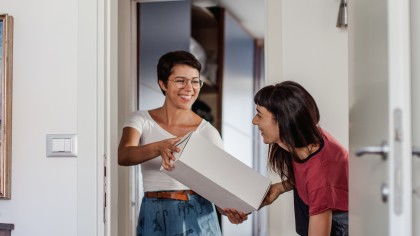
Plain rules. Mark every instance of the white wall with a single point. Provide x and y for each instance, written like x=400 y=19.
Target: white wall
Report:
x=55 y=81
x=56 y=77
x=303 y=44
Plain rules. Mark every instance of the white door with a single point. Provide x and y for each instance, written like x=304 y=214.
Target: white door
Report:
x=381 y=161
x=415 y=106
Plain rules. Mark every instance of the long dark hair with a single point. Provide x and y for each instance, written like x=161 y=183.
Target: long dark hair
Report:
x=297 y=115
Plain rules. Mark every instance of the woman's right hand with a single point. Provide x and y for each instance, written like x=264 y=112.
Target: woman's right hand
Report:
x=234 y=216
x=166 y=149
x=272 y=194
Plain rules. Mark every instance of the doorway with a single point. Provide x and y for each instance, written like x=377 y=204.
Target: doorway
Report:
x=131 y=102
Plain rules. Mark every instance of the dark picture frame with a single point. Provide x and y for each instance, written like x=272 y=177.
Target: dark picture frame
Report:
x=6 y=61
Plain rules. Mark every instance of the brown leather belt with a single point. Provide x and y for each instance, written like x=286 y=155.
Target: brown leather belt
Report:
x=176 y=195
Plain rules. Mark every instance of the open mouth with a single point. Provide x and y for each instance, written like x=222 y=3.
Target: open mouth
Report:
x=186 y=97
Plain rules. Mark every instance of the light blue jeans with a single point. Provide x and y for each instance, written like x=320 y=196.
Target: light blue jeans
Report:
x=168 y=217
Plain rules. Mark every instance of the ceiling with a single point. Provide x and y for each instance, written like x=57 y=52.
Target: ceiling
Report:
x=250 y=13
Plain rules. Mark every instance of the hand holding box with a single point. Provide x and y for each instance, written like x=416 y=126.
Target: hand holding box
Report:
x=218 y=176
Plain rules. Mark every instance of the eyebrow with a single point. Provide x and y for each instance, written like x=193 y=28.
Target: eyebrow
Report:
x=183 y=77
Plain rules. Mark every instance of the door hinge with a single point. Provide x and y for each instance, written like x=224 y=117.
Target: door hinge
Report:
x=105 y=188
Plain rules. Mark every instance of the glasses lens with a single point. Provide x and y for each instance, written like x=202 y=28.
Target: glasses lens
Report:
x=180 y=83
x=197 y=83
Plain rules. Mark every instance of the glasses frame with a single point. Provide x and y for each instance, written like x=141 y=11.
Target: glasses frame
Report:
x=177 y=84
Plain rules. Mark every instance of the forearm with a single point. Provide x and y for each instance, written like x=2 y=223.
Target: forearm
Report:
x=284 y=186
x=320 y=224
x=134 y=155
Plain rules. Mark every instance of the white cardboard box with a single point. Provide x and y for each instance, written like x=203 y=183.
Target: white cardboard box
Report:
x=218 y=176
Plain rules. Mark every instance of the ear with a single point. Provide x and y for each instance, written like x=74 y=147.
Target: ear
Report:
x=162 y=85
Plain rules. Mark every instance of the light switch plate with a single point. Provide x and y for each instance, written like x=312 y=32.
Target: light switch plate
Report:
x=69 y=145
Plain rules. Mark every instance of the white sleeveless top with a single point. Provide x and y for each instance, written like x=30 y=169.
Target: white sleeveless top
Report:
x=150 y=131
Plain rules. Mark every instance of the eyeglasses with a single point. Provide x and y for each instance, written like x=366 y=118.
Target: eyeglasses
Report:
x=181 y=83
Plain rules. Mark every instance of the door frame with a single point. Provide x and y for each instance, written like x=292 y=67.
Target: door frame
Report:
x=400 y=132
x=107 y=119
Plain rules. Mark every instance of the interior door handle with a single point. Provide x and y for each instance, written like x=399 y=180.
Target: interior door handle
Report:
x=384 y=192
x=379 y=150
x=416 y=151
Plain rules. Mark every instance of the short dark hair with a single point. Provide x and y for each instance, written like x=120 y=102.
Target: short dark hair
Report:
x=171 y=59
x=297 y=115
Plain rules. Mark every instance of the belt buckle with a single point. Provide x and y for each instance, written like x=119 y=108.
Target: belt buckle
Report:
x=187 y=194
x=183 y=195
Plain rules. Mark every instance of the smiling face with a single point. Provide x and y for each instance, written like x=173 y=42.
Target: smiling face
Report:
x=267 y=125
x=181 y=98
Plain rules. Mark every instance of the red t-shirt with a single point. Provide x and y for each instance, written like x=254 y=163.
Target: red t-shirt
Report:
x=322 y=178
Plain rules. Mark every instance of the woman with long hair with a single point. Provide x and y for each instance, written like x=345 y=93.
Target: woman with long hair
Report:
x=308 y=159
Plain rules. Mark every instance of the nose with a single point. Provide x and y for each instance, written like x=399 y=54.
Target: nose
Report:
x=188 y=85
x=254 y=120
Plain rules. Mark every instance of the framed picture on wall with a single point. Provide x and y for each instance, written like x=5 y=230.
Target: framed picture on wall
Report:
x=6 y=60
